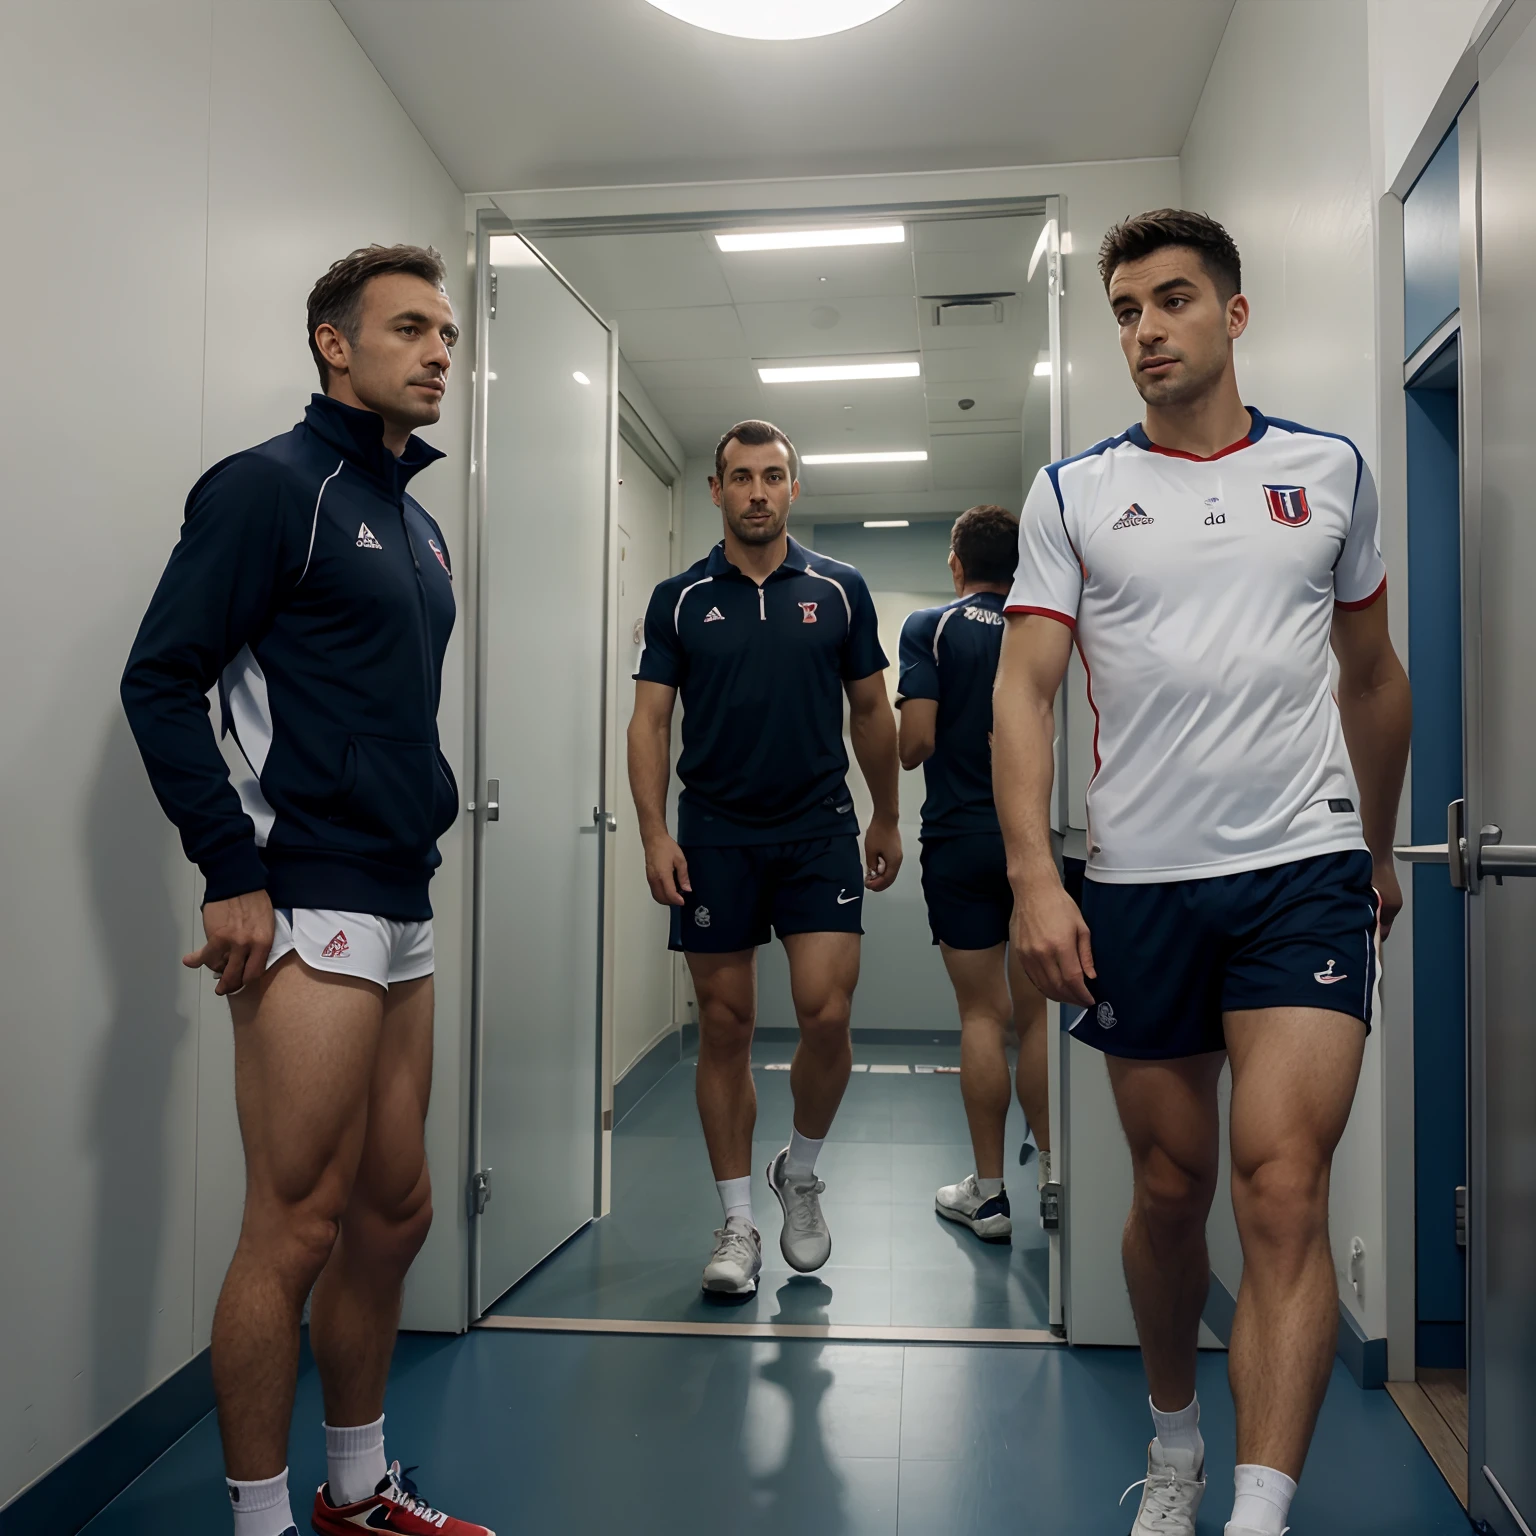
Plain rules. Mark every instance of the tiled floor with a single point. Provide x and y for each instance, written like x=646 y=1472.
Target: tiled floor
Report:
x=543 y=1435
x=898 y=1136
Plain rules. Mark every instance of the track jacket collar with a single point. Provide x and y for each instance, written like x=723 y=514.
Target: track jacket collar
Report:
x=359 y=437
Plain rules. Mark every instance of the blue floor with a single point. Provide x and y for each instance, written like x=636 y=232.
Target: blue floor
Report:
x=898 y=1136
x=560 y=1435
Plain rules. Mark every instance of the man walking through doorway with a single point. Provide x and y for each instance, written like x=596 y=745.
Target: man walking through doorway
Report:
x=316 y=593
x=1240 y=829
x=763 y=638
x=948 y=666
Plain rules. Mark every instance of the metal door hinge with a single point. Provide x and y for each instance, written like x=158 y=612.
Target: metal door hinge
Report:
x=1050 y=1207
x=1461 y=1215
x=480 y=1191
x=491 y=295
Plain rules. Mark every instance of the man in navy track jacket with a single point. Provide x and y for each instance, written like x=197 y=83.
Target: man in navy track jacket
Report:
x=317 y=594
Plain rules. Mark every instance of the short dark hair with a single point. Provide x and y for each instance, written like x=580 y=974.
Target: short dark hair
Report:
x=754 y=434
x=985 y=540
x=1148 y=232
x=337 y=299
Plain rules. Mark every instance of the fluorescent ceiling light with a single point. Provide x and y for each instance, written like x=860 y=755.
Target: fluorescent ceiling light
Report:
x=808 y=239
x=512 y=251
x=776 y=20
x=835 y=372
x=915 y=456
x=1043 y=368
x=887 y=522
x=580 y=377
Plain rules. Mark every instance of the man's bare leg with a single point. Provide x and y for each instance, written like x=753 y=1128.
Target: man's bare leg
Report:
x=1294 y=1072
x=726 y=986
x=1168 y=1110
x=1034 y=1069
x=980 y=980
x=305 y=1046
x=823 y=971
x=355 y=1312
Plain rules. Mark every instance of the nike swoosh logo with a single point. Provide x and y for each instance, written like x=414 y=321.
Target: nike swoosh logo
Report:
x=1324 y=979
x=843 y=901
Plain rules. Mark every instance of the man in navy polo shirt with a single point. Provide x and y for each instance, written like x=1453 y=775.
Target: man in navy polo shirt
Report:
x=763 y=638
x=948 y=663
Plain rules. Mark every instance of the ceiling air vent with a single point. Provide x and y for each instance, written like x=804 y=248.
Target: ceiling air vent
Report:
x=969 y=309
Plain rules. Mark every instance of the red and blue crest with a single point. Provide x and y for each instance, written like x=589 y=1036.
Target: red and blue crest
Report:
x=1288 y=504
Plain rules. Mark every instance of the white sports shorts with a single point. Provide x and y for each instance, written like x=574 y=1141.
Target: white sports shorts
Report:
x=376 y=949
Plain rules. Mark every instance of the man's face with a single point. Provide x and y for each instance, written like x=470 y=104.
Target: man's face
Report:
x=398 y=365
x=756 y=491
x=1175 y=329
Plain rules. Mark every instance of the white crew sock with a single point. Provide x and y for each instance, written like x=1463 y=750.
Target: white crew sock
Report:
x=261 y=1508
x=354 y=1461
x=1263 y=1499
x=803 y=1152
x=736 y=1197
x=1180 y=1431
x=989 y=1189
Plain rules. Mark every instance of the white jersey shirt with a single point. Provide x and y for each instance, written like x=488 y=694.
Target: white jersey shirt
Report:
x=1201 y=593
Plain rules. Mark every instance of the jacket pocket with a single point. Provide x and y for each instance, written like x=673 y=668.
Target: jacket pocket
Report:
x=447 y=797
x=393 y=791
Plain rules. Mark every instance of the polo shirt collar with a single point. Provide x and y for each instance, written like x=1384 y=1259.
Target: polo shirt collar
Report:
x=794 y=560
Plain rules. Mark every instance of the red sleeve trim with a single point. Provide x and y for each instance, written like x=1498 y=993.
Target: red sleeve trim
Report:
x=1365 y=602
x=1045 y=613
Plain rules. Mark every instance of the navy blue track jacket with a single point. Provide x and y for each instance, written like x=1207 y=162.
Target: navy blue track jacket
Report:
x=317 y=594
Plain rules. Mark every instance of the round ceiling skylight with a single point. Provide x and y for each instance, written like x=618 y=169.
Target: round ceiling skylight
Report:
x=776 y=20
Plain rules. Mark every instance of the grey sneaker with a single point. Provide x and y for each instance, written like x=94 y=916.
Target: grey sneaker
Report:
x=734 y=1266
x=804 y=1241
x=991 y=1220
x=1170 y=1493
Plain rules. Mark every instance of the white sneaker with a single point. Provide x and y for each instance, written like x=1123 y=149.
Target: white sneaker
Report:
x=734 y=1266
x=1170 y=1493
x=805 y=1242
x=1245 y=1530
x=990 y=1219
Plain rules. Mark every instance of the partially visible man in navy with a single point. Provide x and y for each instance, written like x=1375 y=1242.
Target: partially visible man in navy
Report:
x=763 y=639
x=316 y=592
x=948 y=665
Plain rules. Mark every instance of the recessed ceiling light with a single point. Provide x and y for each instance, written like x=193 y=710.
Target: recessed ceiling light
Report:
x=834 y=372
x=776 y=20
x=887 y=522
x=580 y=377
x=1043 y=368
x=812 y=239
x=915 y=456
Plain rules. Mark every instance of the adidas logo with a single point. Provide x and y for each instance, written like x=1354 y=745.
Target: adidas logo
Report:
x=1132 y=517
x=714 y=616
x=336 y=948
x=365 y=538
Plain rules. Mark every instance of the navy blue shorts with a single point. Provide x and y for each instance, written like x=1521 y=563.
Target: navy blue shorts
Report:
x=739 y=894
x=1173 y=957
x=965 y=883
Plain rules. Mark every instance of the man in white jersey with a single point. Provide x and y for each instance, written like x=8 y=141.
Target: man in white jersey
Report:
x=1240 y=824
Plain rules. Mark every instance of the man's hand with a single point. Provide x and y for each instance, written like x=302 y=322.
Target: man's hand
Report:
x=1053 y=943
x=882 y=855
x=239 y=935
x=1390 y=892
x=666 y=870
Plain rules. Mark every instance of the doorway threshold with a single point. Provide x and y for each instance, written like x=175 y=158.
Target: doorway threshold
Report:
x=836 y=1333
x=1436 y=1409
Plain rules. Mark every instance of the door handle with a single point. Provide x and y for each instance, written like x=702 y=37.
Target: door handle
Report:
x=1452 y=852
x=602 y=821
x=493 y=799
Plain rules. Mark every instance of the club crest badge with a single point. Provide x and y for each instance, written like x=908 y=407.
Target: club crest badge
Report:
x=1288 y=504
x=809 y=610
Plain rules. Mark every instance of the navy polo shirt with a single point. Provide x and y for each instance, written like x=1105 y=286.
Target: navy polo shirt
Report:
x=761 y=672
x=950 y=654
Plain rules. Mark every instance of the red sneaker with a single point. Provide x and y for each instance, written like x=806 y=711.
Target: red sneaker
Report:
x=396 y=1506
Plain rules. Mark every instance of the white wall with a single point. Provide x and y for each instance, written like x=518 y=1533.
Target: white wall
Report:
x=1291 y=175
x=178 y=172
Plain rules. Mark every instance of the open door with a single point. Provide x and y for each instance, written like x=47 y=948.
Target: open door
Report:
x=547 y=396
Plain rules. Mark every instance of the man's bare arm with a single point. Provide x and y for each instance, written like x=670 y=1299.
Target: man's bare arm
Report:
x=872 y=728
x=1048 y=930
x=1376 y=708
x=919 y=729
x=650 y=766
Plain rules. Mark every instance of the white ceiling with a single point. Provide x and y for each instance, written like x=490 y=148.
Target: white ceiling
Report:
x=515 y=94
x=694 y=322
